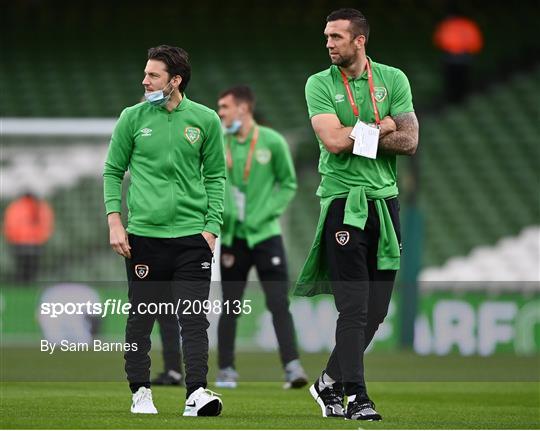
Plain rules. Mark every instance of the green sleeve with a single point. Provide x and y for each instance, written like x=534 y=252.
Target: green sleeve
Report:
x=285 y=177
x=214 y=173
x=401 y=95
x=318 y=98
x=116 y=164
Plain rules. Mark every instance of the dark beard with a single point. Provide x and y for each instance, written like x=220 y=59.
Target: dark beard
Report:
x=343 y=62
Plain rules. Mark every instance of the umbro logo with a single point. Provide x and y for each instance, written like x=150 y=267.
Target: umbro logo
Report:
x=146 y=132
x=340 y=98
x=205 y=265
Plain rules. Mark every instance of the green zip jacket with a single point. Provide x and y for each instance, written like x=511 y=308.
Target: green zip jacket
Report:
x=270 y=187
x=177 y=168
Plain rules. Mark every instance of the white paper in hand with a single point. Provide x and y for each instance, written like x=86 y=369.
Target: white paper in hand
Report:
x=366 y=140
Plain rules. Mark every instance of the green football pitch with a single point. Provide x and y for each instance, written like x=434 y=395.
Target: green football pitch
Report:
x=501 y=392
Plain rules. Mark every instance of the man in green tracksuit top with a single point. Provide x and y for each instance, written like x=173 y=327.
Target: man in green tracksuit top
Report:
x=173 y=148
x=261 y=182
x=356 y=251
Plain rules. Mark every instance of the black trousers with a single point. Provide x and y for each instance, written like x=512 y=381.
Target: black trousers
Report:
x=160 y=270
x=269 y=259
x=169 y=331
x=361 y=291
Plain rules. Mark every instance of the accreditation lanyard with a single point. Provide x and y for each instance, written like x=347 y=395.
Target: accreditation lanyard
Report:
x=371 y=93
x=247 y=168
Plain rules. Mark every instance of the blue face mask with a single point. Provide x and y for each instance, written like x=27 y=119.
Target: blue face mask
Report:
x=158 y=97
x=233 y=128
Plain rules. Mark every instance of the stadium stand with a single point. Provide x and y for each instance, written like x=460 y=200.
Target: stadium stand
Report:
x=478 y=176
x=98 y=73
x=513 y=259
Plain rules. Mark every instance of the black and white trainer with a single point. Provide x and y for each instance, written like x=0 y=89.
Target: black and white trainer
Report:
x=329 y=397
x=203 y=402
x=362 y=409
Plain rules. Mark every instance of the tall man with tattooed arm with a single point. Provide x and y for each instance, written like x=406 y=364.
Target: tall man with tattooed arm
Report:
x=357 y=246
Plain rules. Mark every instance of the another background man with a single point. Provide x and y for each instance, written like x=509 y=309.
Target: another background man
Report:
x=28 y=225
x=260 y=184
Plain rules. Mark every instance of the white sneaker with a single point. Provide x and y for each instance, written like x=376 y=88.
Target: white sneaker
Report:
x=227 y=378
x=142 y=402
x=203 y=402
x=295 y=376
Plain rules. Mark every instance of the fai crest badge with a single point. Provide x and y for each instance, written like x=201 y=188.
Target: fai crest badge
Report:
x=192 y=134
x=342 y=237
x=227 y=260
x=263 y=156
x=141 y=271
x=380 y=93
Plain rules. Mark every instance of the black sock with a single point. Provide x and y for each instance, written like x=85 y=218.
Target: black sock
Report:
x=136 y=385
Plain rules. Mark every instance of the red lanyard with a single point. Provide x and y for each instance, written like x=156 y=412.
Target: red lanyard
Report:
x=371 y=93
x=247 y=168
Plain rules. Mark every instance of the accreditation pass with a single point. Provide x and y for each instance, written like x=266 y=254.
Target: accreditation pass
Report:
x=366 y=139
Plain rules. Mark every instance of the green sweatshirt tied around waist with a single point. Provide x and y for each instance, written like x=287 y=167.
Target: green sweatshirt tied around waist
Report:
x=314 y=278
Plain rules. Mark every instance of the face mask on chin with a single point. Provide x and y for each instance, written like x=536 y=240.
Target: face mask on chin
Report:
x=233 y=128
x=158 y=97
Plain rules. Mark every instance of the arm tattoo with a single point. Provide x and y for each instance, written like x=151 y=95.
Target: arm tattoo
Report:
x=404 y=140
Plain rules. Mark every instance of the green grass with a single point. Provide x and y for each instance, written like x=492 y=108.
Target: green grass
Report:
x=411 y=392
x=448 y=405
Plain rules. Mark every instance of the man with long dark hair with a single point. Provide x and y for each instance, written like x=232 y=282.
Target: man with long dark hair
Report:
x=173 y=148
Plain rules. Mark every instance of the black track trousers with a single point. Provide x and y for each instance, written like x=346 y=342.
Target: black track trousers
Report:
x=361 y=291
x=161 y=270
x=269 y=259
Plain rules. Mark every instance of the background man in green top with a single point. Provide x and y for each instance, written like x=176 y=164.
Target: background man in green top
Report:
x=356 y=251
x=260 y=185
x=173 y=148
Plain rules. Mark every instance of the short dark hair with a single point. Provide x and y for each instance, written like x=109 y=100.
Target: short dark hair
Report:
x=359 y=23
x=241 y=93
x=176 y=61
